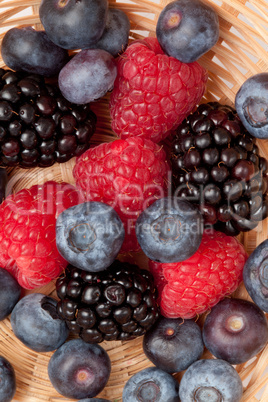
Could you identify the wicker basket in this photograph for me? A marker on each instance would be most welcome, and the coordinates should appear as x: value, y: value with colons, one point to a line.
x: 240, y: 53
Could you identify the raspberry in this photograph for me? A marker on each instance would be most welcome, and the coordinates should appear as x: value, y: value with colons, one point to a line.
x: 190, y: 287
x: 153, y: 92
x: 125, y: 174
x: 27, y: 232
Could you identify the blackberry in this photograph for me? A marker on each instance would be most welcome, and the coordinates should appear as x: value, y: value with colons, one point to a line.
x: 216, y: 165
x: 116, y: 304
x: 38, y: 126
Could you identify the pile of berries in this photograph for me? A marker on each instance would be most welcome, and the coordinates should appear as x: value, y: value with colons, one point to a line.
x: 122, y: 204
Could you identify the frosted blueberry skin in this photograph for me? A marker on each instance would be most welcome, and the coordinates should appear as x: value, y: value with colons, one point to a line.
x: 169, y: 230
x: 151, y: 384
x: 88, y: 76
x: 255, y: 275
x: 25, y: 49
x: 173, y: 344
x: 10, y: 292
x: 187, y: 29
x: 7, y: 380
x: 251, y: 103
x: 115, y: 36
x: 37, y: 325
x: 94, y: 400
x: 79, y: 370
x: 73, y: 24
x: 211, y: 379
x: 235, y: 330
x: 89, y: 235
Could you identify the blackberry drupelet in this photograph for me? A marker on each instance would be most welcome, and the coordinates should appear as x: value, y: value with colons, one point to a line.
x: 38, y: 126
x: 116, y: 304
x: 216, y: 165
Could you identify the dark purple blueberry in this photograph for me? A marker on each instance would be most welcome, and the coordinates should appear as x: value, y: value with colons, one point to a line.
x: 10, y: 292
x: 29, y: 50
x: 169, y: 230
x: 8, y: 383
x: 79, y: 370
x: 116, y: 32
x: 173, y: 344
x: 255, y: 275
x: 72, y: 24
x: 36, y: 323
x: 194, y: 22
x: 211, y: 380
x: 151, y: 384
x: 235, y: 330
x: 251, y: 103
x: 89, y: 235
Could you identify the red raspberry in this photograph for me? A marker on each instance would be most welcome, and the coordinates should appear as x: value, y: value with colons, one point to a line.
x: 191, y: 287
x: 153, y: 93
x: 126, y: 174
x: 27, y: 232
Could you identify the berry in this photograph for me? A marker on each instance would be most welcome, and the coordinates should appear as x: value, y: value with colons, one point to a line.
x: 87, y: 76
x: 10, y: 292
x: 211, y: 379
x: 29, y: 50
x: 27, y: 237
x: 37, y: 325
x: 38, y: 126
x: 187, y: 29
x: 169, y: 230
x: 74, y: 24
x: 150, y: 384
x: 190, y: 287
x: 7, y: 380
x: 173, y: 344
x: 116, y: 33
x: 153, y: 92
x: 226, y: 167
x: 79, y: 370
x: 116, y: 304
x: 235, y: 330
x: 125, y: 174
x: 255, y: 275
x: 89, y: 235
x: 251, y: 103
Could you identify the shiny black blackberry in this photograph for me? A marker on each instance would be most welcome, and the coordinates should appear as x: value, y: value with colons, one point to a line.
x: 38, y: 126
x: 116, y: 304
x: 216, y: 164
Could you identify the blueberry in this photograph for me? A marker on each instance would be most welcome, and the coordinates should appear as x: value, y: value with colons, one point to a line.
x: 211, y: 380
x: 94, y: 400
x: 255, y: 275
x: 251, y: 104
x: 89, y: 235
x: 29, y: 50
x: 10, y: 292
x: 7, y: 380
x: 96, y: 68
x: 151, y: 384
x: 79, y: 369
x: 169, y: 230
x: 235, y: 330
x: 187, y: 29
x: 74, y: 24
x: 173, y: 344
x: 36, y: 324
x: 115, y: 36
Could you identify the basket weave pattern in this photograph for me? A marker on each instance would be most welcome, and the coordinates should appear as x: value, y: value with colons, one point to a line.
x: 241, y: 52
